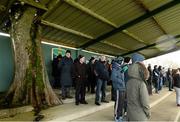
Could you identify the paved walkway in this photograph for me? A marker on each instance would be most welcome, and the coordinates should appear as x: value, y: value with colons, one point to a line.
x: 163, y: 108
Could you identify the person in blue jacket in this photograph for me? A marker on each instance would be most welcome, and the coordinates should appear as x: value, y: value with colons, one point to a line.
x: 117, y: 77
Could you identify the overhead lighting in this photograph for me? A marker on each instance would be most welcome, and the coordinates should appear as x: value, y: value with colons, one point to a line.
x: 58, y: 45
x: 98, y: 53
x: 4, y: 34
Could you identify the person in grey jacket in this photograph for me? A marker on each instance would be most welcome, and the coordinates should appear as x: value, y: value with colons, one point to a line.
x: 117, y: 77
x: 138, y: 108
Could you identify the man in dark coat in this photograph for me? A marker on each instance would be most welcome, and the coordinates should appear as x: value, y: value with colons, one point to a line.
x: 102, y: 74
x: 80, y: 75
x: 170, y: 79
x: 56, y: 71
x: 149, y: 81
x: 91, y: 75
x: 156, y: 76
x: 66, y: 66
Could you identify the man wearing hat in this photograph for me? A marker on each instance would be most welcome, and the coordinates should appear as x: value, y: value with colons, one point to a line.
x: 66, y: 67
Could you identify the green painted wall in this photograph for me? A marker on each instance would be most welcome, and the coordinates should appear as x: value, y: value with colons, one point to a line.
x: 7, y: 61
x: 47, y: 50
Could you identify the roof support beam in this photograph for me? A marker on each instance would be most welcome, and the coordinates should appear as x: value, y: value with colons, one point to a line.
x: 131, y: 23
x: 35, y: 4
x: 65, y: 29
x: 114, y: 45
x: 99, y: 17
x: 134, y: 36
x: 143, y: 6
x: 119, y: 47
x: 53, y: 5
x: 149, y: 46
x: 90, y: 12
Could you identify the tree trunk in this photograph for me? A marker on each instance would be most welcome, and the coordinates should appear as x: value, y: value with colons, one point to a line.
x: 30, y: 84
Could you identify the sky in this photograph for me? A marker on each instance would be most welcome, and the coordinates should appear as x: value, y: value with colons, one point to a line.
x: 170, y: 60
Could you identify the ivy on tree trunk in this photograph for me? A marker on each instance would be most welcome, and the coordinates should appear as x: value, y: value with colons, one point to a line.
x: 30, y: 84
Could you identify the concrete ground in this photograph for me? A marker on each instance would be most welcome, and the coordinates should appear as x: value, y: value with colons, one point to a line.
x: 163, y: 108
x: 156, y: 101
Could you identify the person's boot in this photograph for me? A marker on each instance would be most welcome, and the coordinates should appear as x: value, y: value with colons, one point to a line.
x: 70, y: 97
x: 97, y: 103
x: 63, y: 97
x: 104, y: 101
x: 77, y: 103
x: 84, y: 102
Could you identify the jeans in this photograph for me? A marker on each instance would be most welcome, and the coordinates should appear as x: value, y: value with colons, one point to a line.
x: 177, y: 95
x: 100, y: 90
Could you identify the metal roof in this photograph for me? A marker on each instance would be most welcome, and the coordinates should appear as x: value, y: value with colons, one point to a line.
x: 115, y: 27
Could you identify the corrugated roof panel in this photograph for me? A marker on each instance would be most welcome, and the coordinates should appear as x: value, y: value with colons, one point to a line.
x: 147, y: 30
x: 150, y: 52
x: 106, y: 48
x: 170, y: 20
x: 63, y: 37
x: 116, y: 11
x: 125, y: 41
x: 75, y: 19
x: 153, y: 4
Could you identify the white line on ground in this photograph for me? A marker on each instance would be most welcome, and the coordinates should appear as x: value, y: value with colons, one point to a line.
x: 159, y: 100
x: 177, y: 117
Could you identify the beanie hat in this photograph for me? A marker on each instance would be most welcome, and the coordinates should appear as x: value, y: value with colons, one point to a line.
x: 80, y: 56
x: 68, y: 51
x: 136, y: 57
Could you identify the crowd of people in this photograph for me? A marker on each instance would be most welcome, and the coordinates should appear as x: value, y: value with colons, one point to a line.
x: 131, y: 82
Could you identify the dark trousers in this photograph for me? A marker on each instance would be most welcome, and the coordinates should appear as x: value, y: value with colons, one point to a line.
x: 119, y: 104
x: 80, y: 92
x: 93, y: 85
x: 170, y: 85
x: 56, y: 82
x: 113, y: 93
x: 156, y: 85
x: 100, y: 90
x: 65, y: 91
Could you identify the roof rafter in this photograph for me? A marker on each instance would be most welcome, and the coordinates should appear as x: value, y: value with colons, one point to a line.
x: 143, y: 6
x: 65, y: 29
x: 51, y: 8
x: 90, y: 12
x: 151, y: 45
x: 131, y: 23
x: 35, y: 4
x: 114, y: 45
x: 101, y: 18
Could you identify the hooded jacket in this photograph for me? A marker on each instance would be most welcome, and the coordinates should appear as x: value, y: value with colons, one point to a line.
x: 138, y: 108
x: 117, y: 77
